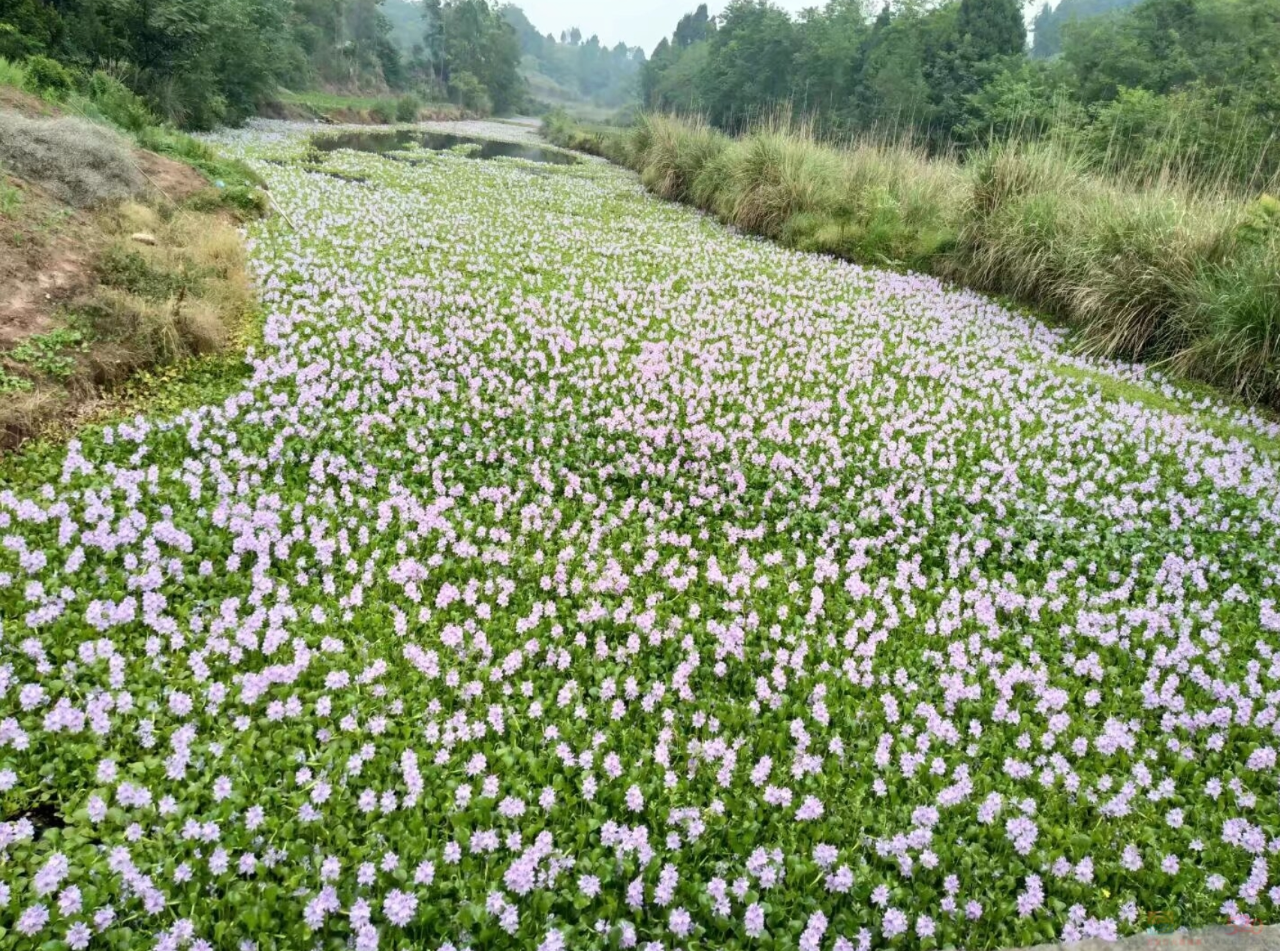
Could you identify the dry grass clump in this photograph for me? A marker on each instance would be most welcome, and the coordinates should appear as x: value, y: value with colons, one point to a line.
x: 774, y: 174
x: 77, y: 162
x: 154, y: 305
x: 22, y: 415
x: 162, y: 303
x: 674, y: 151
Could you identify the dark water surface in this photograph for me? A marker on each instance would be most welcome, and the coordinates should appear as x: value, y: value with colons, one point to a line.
x: 383, y: 142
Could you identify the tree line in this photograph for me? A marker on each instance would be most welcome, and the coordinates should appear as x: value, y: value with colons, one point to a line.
x: 201, y: 63
x: 1190, y: 87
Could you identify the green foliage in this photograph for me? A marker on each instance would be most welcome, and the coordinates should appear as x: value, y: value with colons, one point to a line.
x: 1262, y: 222
x: 407, y: 107
x: 244, y: 202
x: 131, y: 271
x: 383, y: 111
x: 29, y: 28
x: 470, y: 93
x: 12, y: 73
x: 118, y: 104
x: 1049, y: 22
x: 10, y: 198
x: 51, y: 353
x: 197, y: 64
x: 1185, y: 89
x: 47, y: 77
x: 607, y: 142
x: 481, y: 57
x: 13, y: 384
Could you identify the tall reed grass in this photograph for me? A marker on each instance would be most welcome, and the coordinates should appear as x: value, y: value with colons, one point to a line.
x: 1161, y: 272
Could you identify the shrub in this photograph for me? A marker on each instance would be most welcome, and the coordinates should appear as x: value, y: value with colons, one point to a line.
x: 407, y: 107
x: 118, y: 104
x: 244, y: 201
x: 12, y: 73
x: 78, y: 162
x: 470, y: 93
x: 674, y: 152
x: 773, y: 174
x: 383, y: 111
x: 47, y: 77
x: 1234, y: 326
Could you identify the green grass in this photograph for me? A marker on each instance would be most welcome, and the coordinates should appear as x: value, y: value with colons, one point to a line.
x: 325, y: 101
x: 10, y: 198
x: 12, y: 74
x: 179, y: 145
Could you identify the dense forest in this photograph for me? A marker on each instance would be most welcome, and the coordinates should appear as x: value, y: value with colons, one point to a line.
x: 200, y: 63
x: 1191, y: 86
x: 1046, y: 26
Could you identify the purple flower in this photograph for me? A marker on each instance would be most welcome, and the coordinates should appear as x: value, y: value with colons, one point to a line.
x: 399, y: 907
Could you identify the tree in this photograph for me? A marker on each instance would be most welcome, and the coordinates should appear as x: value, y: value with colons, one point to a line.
x: 481, y: 44
x: 433, y: 38
x: 749, y: 63
x: 991, y: 29
x: 693, y: 28
x: 1049, y: 22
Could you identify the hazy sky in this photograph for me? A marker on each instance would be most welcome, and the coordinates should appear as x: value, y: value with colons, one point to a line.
x: 635, y: 22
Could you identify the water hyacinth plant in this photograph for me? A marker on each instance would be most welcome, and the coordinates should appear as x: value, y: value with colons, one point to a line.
x: 571, y: 572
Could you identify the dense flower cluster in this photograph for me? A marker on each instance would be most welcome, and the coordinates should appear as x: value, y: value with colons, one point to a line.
x: 572, y: 573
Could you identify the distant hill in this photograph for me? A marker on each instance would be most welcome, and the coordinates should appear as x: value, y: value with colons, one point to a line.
x: 1048, y: 23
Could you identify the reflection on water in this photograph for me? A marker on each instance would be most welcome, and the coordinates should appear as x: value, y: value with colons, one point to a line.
x: 384, y: 142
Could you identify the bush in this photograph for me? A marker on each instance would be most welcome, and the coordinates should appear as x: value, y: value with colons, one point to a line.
x: 244, y: 201
x: 47, y: 77
x: 78, y: 162
x: 1234, y: 326
x: 773, y: 175
x: 118, y: 104
x: 12, y: 73
x: 383, y: 111
x: 407, y: 107
x: 673, y: 152
x: 470, y: 93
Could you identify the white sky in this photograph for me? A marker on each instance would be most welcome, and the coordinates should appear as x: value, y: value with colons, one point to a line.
x: 639, y: 22
x: 635, y: 22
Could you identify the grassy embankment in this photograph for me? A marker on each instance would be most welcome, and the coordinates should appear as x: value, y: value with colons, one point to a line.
x: 121, y: 268
x: 1184, y: 279
x: 363, y: 109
